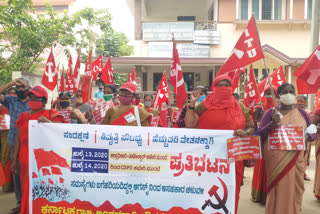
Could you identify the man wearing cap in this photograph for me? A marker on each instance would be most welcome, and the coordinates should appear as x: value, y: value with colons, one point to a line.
x: 126, y: 113
x: 38, y: 98
x: 15, y: 105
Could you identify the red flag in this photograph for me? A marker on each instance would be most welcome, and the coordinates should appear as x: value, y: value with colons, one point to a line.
x: 246, y: 51
x: 235, y: 77
x: 55, y: 170
x: 45, y: 171
x: 49, y: 158
x: 176, y: 77
x: 162, y: 94
x: 69, y: 80
x: 50, y: 76
x: 34, y: 175
x: 42, y: 182
x: 129, y: 77
x: 133, y: 75
x: 76, y: 73
x: 86, y: 82
x: 61, y: 86
x: 107, y: 73
x: 61, y: 180
x: 97, y: 67
x: 308, y: 74
x: 251, y: 93
x: 50, y: 181
x: 277, y: 78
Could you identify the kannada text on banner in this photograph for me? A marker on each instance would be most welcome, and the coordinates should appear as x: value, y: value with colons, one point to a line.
x: 102, y: 169
x: 286, y: 138
x: 244, y: 148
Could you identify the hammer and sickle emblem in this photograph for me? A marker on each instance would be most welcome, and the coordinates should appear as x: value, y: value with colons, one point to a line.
x: 221, y: 202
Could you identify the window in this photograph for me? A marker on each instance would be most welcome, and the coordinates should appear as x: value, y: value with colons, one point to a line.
x: 262, y: 9
x: 255, y: 9
x: 266, y: 9
x: 188, y: 80
x: 277, y: 9
x: 256, y: 73
x: 244, y: 9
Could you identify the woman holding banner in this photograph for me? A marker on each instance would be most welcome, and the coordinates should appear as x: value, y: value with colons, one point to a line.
x: 259, y: 186
x: 126, y: 113
x: 316, y: 189
x: 220, y: 110
x: 285, y: 168
x: 38, y: 99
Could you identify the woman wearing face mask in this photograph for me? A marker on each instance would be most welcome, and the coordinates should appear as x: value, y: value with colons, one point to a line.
x: 285, y: 169
x: 109, y: 93
x: 148, y: 100
x: 259, y: 186
x: 83, y: 107
x: 38, y: 99
x: 126, y: 113
x: 65, y: 104
x: 203, y: 94
x: 220, y: 110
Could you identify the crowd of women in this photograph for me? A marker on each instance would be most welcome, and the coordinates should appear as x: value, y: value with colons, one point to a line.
x: 278, y: 179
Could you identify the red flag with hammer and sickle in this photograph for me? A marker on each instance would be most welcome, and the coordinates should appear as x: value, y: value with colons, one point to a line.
x: 162, y: 94
x: 246, y: 51
x: 251, y: 93
x: 176, y: 77
x: 69, y: 81
x: 50, y: 76
x: 308, y: 74
x: 97, y: 67
x: 107, y: 73
x: 86, y: 82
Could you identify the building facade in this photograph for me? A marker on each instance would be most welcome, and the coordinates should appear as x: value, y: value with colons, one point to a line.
x: 206, y: 32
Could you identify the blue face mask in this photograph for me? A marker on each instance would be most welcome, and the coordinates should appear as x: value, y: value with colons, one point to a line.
x: 201, y: 98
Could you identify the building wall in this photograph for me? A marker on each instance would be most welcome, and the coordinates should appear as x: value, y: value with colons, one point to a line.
x: 227, y: 11
x: 298, y: 9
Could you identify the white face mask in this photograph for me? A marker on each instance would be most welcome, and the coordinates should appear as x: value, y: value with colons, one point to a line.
x: 288, y: 99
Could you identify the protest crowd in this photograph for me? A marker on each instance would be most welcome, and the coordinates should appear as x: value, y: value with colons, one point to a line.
x: 278, y: 179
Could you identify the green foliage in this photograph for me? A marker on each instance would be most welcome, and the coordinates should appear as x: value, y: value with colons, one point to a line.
x: 120, y: 78
x: 24, y: 35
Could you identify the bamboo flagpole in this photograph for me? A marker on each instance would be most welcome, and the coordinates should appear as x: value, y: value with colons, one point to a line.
x: 265, y: 67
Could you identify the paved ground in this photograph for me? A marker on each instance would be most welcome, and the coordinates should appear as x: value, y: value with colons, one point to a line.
x: 310, y: 205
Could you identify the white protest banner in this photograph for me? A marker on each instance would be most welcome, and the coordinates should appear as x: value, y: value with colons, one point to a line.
x: 4, y: 121
x: 120, y: 169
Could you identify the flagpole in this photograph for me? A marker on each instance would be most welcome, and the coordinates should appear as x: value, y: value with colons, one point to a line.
x: 265, y: 67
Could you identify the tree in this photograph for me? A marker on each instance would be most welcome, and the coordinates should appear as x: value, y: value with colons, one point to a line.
x: 24, y: 34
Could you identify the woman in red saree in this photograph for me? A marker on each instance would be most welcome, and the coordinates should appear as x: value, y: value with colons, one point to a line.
x: 220, y: 110
x: 259, y: 187
x: 316, y: 188
x: 38, y: 99
x: 285, y: 168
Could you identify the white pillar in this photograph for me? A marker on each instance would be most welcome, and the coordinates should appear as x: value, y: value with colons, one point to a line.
x: 237, y: 9
x: 250, y: 9
x: 305, y: 9
x: 289, y: 74
x: 291, y: 9
x: 260, y: 9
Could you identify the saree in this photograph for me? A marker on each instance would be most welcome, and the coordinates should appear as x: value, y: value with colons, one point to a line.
x: 125, y: 116
x: 285, y: 173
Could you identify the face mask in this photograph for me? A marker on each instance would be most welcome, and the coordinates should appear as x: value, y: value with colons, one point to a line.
x: 20, y: 94
x: 147, y: 103
x: 201, y: 98
x: 302, y: 105
x: 108, y: 97
x: 125, y: 100
x: 287, y: 99
x: 35, y: 105
x: 65, y: 103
